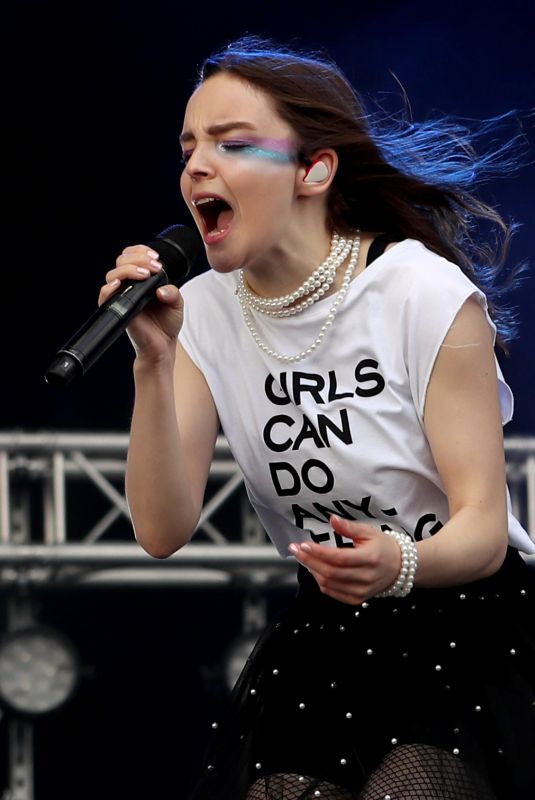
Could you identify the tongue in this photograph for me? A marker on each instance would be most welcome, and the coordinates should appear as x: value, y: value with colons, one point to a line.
x: 224, y: 218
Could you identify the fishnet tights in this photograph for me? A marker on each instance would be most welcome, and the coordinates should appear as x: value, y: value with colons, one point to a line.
x: 295, y: 787
x: 410, y: 772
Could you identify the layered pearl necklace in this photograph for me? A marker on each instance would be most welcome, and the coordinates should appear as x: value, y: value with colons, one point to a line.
x: 312, y: 290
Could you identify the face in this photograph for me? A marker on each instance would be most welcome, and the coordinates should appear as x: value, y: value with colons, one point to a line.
x: 239, y: 177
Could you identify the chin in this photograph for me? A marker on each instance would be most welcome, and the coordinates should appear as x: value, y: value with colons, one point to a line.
x: 222, y: 263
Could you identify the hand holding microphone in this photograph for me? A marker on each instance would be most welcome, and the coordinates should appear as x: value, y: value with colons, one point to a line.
x: 177, y: 248
x: 156, y: 329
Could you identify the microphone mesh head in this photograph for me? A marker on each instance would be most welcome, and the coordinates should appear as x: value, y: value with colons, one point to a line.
x: 178, y: 247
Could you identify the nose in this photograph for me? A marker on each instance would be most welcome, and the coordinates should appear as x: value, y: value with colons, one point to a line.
x: 199, y: 164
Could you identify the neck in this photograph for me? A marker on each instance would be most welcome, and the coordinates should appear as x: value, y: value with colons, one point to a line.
x: 288, y: 305
x: 289, y: 263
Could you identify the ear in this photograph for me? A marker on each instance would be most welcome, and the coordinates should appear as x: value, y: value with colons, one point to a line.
x: 317, y: 172
x: 316, y: 177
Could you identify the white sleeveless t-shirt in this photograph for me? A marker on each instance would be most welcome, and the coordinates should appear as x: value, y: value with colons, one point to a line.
x: 342, y: 430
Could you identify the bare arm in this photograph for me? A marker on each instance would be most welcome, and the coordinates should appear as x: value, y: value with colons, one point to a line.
x: 463, y: 425
x: 174, y: 428
x: 174, y: 424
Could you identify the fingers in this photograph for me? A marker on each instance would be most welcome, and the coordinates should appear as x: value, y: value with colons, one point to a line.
x: 348, y: 586
x: 135, y: 263
x: 319, y: 556
x: 170, y: 295
x: 141, y: 256
x: 352, y: 574
x: 331, y: 562
x: 351, y: 529
x: 353, y: 598
x: 350, y: 582
x: 341, y: 563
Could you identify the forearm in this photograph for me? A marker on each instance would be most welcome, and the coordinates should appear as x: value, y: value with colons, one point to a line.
x: 471, y: 546
x: 159, y: 494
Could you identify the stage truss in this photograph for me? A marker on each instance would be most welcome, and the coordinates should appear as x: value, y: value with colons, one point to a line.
x: 64, y: 518
x: 64, y: 523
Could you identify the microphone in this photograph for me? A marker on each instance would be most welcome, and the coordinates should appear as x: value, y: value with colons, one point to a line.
x: 178, y: 248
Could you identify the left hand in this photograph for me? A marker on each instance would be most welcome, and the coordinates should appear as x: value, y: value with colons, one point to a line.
x: 352, y: 575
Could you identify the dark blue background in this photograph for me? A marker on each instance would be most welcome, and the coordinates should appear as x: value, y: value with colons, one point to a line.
x: 94, y: 108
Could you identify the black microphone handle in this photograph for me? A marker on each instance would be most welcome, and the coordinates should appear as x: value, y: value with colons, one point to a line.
x: 177, y: 247
x: 102, y: 329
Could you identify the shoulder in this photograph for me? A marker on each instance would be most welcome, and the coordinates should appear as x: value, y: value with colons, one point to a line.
x: 412, y: 275
x: 413, y: 260
x: 422, y: 292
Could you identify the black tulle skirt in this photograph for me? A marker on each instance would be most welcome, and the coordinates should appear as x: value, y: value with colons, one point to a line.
x: 429, y: 697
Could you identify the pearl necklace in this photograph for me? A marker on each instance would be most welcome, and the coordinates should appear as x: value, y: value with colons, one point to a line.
x: 311, y: 289
x: 243, y: 297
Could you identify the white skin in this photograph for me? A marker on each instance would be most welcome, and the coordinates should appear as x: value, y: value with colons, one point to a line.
x: 277, y: 231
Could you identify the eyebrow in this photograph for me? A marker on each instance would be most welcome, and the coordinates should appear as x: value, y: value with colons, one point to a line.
x: 214, y: 130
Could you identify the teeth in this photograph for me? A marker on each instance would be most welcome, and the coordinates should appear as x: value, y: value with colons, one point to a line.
x: 203, y: 200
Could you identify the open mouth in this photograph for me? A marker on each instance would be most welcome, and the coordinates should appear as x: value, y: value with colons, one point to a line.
x: 215, y: 212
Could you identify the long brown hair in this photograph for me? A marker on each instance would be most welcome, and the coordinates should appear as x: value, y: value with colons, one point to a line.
x: 404, y: 179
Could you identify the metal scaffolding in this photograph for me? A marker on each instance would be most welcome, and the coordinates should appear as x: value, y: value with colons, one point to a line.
x: 64, y: 522
x: 64, y: 519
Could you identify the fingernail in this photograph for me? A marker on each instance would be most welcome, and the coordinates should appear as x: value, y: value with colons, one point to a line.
x: 156, y: 264
x: 163, y: 291
x: 152, y: 254
x: 306, y: 547
x: 115, y: 282
x: 143, y: 271
x: 293, y: 548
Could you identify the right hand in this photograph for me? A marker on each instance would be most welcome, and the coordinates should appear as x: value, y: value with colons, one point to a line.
x: 153, y: 332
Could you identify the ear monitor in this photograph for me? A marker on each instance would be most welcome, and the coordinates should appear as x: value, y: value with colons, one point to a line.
x: 317, y: 173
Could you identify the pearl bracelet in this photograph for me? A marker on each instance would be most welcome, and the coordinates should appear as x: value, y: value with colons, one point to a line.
x: 409, y: 562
